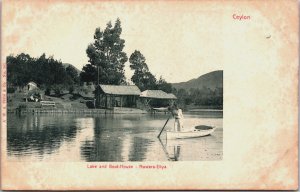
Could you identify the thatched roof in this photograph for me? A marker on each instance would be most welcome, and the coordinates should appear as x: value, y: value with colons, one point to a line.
x: 172, y: 96
x: 157, y: 94
x: 31, y: 83
x: 120, y: 89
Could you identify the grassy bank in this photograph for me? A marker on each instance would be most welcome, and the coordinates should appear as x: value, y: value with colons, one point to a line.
x: 65, y: 101
x: 64, y: 104
x: 73, y: 103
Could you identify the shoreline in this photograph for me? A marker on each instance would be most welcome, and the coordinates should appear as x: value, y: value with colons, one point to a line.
x: 76, y: 111
x: 199, y: 110
x: 116, y: 110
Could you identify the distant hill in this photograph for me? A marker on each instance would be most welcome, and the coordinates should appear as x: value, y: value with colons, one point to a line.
x: 68, y: 64
x: 210, y: 80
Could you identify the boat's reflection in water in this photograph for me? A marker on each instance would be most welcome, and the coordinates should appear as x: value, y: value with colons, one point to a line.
x: 201, y: 148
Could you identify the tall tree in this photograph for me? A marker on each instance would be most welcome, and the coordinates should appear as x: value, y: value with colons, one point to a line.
x: 72, y: 72
x: 163, y: 85
x: 142, y: 77
x: 88, y: 73
x: 106, y: 54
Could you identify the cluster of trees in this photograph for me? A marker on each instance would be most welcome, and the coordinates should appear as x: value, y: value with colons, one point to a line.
x: 107, y: 60
x: 200, y: 97
x: 106, y: 66
x: 47, y: 72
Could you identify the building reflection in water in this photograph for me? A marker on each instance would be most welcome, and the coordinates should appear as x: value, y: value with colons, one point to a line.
x: 114, y: 141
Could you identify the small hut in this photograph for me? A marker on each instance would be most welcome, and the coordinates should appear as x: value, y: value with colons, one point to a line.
x: 31, y: 86
x: 109, y: 96
x: 32, y: 92
x: 156, y: 99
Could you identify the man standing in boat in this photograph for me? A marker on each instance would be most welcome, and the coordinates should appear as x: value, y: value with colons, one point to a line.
x: 177, y: 114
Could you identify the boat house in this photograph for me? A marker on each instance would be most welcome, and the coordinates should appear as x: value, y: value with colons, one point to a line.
x: 109, y: 96
x: 156, y: 99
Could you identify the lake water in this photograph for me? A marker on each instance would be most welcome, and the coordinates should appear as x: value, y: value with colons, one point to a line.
x: 74, y: 138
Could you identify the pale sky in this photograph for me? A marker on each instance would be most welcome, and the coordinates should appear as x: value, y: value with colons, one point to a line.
x: 180, y: 41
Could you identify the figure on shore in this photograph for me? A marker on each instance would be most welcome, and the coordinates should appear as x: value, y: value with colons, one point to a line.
x: 177, y: 114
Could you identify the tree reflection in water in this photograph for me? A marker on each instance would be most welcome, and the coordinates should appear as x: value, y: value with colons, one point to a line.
x: 109, y: 138
x: 32, y: 134
x: 102, y: 147
x: 139, y: 148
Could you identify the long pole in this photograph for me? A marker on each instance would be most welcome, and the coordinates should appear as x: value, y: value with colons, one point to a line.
x: 163, y: 127
x: 164, y: 149
x: 98, y: 74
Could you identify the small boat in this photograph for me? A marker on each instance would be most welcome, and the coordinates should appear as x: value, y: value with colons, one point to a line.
x: 190, y: 134
x: 160, y: 109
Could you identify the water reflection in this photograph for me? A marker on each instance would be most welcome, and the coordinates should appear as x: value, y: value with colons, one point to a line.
x: 102, y: 147
x: 202, y: 148
x: 37, y: 134
x: 170, y: 156
x: 108, y: 138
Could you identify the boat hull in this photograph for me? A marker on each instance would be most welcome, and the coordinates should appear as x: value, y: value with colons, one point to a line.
x: 189, y: 134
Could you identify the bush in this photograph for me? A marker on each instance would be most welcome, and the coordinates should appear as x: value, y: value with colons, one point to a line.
x: 11, y: 90
x: 90, y: 104
x: 58, y: 89
x: 22, y: 106
x: 47, y: 92
x: 71, y: 89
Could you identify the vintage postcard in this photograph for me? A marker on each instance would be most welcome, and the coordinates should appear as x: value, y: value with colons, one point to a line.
x: 182, y: 95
